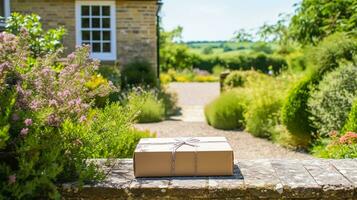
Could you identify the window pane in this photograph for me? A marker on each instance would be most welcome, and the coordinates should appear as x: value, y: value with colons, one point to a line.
x: 95, y: 10
x: 106, y: 47
x: 96, y: 35
x: 85, y: 22
x: 2, y: 8
x: 85, y: 10
x: 95, y: 22
x: 106, y: 35
x: 96, y: 47
x: 85, y: 43
x: 106, y: 22
x: 86, y: 35
x: 105, y: 10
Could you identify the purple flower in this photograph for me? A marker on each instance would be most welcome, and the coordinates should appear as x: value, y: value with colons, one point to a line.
x: 24, y: 132
x: 12, y: 179
x: 28, y: 122
x: 15, y: 117
x: 83, y: 118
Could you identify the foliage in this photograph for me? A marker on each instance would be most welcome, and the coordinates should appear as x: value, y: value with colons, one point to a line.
x: 351, y: 123
x: 49, y: 125
x: 154, y: 105
x: 138, y: 73
x: 243, y: 36
x: 187, y: 76
x: 328, y: 55
x: 234, y: 79
x: 260, y: 62
x: 112, y: 74
x: 226, y: 112
x: 332, y: 100
x: 28, y: 26
x: 337, y: 147
x: 317, y: 19
x: 295, y: 113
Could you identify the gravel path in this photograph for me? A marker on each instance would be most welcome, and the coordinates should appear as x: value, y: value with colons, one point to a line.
x: 192, y: 98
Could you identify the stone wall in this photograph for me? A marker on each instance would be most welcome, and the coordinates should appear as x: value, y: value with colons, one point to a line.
x: 135, y: 23
x: 253, y: 179
x: 54, y: 13
x: 136, y: 31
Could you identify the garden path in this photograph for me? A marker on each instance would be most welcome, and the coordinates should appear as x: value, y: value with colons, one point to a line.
x: 192, y: 97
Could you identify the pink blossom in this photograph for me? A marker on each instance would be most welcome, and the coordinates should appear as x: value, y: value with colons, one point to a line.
x: 83, y: 118
x: 24, y: 132
x: 34, y: 105
x: 28, y: 122
x: 349, y: 138
x: 12, y: 179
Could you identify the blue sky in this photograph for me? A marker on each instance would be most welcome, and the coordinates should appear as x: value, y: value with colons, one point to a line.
x: 219, y: 19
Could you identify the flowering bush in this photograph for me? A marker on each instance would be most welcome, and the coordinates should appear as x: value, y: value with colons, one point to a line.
x: 337, y: 147
x: 49, y: 124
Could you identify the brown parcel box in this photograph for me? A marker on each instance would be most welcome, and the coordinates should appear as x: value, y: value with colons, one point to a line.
x: 199, y: 156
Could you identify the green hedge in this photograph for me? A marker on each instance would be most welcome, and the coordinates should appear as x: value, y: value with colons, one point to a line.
x: 261, y: 62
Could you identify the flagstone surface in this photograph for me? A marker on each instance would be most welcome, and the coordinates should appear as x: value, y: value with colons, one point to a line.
x: 252, y: 179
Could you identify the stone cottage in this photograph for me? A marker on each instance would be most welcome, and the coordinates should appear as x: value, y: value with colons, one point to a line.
x: 117, y: 30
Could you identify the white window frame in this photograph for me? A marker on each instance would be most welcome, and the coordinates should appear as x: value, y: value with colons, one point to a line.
x: 6, y: 11
x: 112, y: 56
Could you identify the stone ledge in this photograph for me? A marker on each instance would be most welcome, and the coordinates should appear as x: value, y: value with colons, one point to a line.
x: 253, y: 179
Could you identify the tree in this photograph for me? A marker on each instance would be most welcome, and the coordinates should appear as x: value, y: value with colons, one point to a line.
x: 243, y: 36
x: 316, y: 19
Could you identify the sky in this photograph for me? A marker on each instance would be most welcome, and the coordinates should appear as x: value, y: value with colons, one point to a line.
x: 219, y: 19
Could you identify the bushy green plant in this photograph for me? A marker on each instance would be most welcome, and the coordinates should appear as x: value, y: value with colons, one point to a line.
x: 47, y: 128
x: 295, y: 112
x: 150, y: 107
x: 332, y: 100
x: 29, y: 27
x: 351, y: 123
x: 139, y: 73
x: 234, y: 79
x: 227, y: 111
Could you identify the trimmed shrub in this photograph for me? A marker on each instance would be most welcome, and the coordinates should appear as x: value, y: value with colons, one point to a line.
x: 332, y: 100
x: 227, y: 111
x: 351, y: 124
x: 139, y: 73
x: 295, y: 113
x: 327, y: 55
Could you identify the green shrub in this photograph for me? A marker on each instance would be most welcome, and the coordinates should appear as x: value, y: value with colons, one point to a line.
x: 327, y: 55
x: 150, y: 107
x: 226, y: 112
x: 332, y: 100
x: 281, y: 135
x: 234, y: 79
x: 263, y: 113
x: 295, y: 113
x: 39, y: 41
x: 169, y: 99
x: 139, y: 73
x: 351, y: 124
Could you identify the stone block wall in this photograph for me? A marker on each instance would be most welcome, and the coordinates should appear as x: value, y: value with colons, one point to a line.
x: 54, y: 13
x: 135, y: 24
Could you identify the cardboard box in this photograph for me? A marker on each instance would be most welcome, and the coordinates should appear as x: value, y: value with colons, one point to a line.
x: 199, y: 156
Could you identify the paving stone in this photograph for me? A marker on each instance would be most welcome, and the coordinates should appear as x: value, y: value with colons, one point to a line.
x: 333, y: 183
x: 260, y: 178
x: 296, y: 180
x: 252, y: 179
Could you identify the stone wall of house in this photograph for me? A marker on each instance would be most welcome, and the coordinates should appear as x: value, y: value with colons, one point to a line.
x: 135, y: 24
x: 54, y: 13
x: 136, y: 31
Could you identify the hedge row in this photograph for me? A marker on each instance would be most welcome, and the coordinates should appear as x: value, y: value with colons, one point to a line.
x: 260, y: 62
